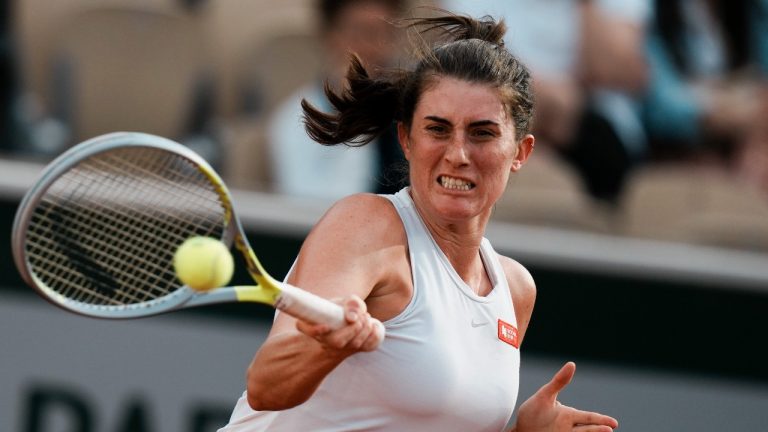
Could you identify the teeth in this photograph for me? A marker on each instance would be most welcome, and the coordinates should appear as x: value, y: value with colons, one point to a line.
x: 454, y: 183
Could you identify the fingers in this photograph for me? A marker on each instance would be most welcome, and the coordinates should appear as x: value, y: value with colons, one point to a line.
x: 361, y: 332
x: 561, y: 379
x: 365, y: 325
x: 361, y: 326
x: 543, y: 411
x: 586, y: 421
x: 353, y: 307
x: 592, y: 428
x: 585, y: 418
x: 312, y: 330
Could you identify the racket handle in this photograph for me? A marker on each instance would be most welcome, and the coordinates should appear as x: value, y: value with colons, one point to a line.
x: 312, y: 308
x: 309, y: 307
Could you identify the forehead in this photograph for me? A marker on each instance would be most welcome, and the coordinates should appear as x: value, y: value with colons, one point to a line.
x: 456, y: 100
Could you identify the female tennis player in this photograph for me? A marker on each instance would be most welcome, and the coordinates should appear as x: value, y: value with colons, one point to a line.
x: 454, y: 310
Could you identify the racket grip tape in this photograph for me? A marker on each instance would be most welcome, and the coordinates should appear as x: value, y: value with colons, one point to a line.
x: 312, y: 308
x: 309, y: 307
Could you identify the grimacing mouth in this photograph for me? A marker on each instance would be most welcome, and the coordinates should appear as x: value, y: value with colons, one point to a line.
x: 455, y: 183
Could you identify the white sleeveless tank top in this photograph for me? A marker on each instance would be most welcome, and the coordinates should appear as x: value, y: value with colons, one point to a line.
x: 448, y: 362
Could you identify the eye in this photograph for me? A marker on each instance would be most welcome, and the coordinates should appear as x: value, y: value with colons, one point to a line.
x: 437, y: 129
x: 483, y: 133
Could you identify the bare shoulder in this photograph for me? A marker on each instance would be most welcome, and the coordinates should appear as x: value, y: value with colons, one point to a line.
x: 522, y: 288
x: 518, y: 276
x: 358, y: 247
x: 361, y: 219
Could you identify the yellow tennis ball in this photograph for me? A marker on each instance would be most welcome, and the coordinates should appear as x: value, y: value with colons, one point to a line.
x: 203, y: 263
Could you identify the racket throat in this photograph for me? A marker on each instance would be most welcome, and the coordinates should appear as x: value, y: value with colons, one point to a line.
x: 256, y: 294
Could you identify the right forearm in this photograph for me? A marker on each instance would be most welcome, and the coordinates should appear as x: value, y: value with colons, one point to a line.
x: 287, y: 370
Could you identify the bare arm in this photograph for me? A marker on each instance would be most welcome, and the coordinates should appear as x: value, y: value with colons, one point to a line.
x: 612, y: 53
x: 542, y: 412
x: 523, y: 291
x: 559, y: 104
x: 340, y: 259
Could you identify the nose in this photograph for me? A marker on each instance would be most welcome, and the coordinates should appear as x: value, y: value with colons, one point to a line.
x: 457, y: 152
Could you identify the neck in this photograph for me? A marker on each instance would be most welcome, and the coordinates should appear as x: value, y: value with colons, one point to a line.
x: 460, y: 242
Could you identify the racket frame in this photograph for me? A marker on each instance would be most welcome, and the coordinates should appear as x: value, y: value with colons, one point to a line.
x: 268, y: 290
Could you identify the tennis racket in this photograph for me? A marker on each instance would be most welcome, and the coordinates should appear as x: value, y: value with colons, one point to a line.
x: 97, y: 233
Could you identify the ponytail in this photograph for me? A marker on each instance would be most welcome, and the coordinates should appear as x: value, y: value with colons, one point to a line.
x: 362, y: 111
x: 469, y: 49
x: 459, y: 27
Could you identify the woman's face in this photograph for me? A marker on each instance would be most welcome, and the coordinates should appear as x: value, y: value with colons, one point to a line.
x: 461, y: 149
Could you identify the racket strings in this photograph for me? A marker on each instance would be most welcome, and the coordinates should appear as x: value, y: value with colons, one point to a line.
x: 164, y: 212
x: 89, y: 245
x: 106, y: 231
x: 141, y: 230
x: 75, y: 262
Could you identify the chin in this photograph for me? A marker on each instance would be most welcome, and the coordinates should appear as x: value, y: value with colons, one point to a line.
x: 457, y: 210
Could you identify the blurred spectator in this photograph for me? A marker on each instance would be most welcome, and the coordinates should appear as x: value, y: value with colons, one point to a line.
x: 7, y: 78
x: 193, y: 6
x: 588, y: 66
x: 708, y: 99
x: 123, y: 67
x: 11, y: 131
x: 304, y: 168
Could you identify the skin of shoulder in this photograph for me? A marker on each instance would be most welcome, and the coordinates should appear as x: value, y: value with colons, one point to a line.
x: 358, y: 247
x: 523, y: 290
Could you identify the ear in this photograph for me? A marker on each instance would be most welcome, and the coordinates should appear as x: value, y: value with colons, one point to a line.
x: 402, y: 137
x: 524, y: 150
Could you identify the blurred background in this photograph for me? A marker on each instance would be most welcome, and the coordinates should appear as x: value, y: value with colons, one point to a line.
x: 642, y: 214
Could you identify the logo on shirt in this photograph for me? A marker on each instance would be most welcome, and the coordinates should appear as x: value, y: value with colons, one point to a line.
x: 508, y: 334
x: 478, y: 323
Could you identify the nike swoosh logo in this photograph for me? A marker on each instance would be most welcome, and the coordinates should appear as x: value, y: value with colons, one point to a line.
x: 478, y: 323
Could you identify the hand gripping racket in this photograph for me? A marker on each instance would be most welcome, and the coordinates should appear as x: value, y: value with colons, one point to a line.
x: 97, y: 233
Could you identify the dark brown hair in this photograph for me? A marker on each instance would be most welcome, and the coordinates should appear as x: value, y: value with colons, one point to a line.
x: 469, y: 49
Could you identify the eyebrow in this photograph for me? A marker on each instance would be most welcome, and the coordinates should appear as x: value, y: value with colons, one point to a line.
x: 472, y: 124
